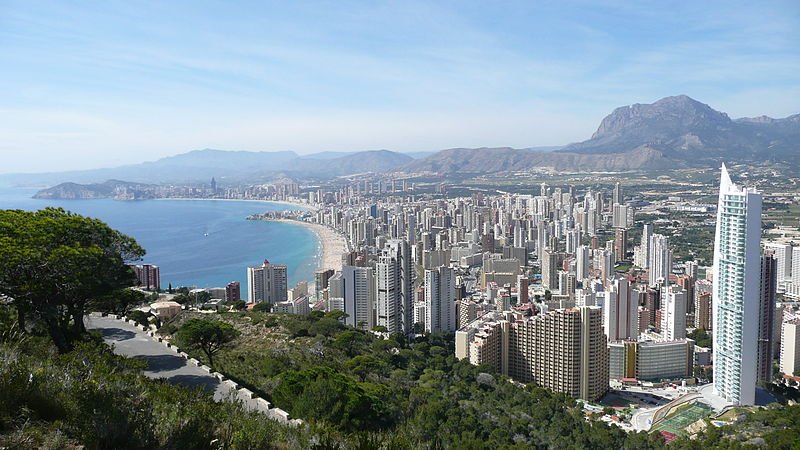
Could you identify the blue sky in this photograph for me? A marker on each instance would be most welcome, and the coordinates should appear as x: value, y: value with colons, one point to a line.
x: 96, y: 84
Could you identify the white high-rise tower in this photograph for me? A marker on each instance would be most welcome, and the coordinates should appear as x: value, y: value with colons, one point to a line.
x: 673, y: 313
x: 620, y: 312
x: 267, y: 283
x: 440, y: 296
x: 393, y: 275
x: 737, y: 273
x: 660, y: 260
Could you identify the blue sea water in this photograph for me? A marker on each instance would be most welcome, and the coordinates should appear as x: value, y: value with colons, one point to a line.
x: 203, y: 243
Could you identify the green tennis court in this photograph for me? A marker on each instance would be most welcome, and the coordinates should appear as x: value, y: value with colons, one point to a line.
x: 676, y: 422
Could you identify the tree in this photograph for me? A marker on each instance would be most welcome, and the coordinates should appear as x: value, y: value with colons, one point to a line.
x: 239, y: 305
x: 202, y: 297
x: 326, y: 326
x: 209, y: 336
x: 701, y: 338
x: 262, y: 307
x: 351, y: 341
x: 139, y: 317
x: 182, y: 298
x: 336, y: 314
x: 118, y: 302
x: 364, y: 365
x: 53, y: 262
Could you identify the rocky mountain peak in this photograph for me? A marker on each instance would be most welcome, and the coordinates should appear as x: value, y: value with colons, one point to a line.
x: 666, y: 116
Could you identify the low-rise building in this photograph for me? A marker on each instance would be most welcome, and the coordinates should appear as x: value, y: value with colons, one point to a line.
x: 165, y: 310
x: 651, y: 360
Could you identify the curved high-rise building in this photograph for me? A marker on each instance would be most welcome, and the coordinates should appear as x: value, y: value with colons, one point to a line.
x: 737, y: 281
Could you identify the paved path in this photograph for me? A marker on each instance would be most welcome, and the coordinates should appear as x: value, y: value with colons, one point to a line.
x: 163, y: 362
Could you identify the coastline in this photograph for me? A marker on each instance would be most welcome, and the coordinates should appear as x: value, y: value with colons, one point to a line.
x: 332, y: 244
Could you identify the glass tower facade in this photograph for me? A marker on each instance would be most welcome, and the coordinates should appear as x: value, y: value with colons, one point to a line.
x: 737, y: 273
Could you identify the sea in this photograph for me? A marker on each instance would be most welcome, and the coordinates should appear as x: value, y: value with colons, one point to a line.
x: 200, y: 243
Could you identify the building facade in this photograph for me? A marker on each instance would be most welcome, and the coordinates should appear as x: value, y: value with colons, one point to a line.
x: 790, y: 347
x: 651, y: 360
x: 564, y: 350
x: 267, y: 283
x: 394, y: 281
x: 440, y: 300
x: 737, y: 270
x: 148, y: 276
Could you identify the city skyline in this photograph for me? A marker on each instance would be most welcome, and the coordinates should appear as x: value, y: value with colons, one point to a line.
x: 123, y: 83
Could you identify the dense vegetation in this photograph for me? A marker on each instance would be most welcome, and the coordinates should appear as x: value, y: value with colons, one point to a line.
x: 91, y: 397
x: 407, y: 395
x: 355, y: 389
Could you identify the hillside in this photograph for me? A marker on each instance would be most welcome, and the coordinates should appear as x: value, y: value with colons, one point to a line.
x: 350, y: 163
x: 119, y: 190
x: 406, y: 395
x: 93, y: 399
x: 491, y: 160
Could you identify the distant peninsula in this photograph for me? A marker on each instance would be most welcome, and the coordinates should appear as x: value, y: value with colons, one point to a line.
x: 114, y: 189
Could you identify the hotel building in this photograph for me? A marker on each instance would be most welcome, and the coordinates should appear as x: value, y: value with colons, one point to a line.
x: 564, y: 350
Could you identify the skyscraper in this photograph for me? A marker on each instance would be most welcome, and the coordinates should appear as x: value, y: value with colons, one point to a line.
x: 549, y: 265
x: 673, y: 313
x: 621, y: 312
x: 394, y: 271
x: 783, y: 255
x: 440, y: 296
x: 522, y: 289
x: 619, y: 217
x: 356, y: 287
x: 620, y: 244
x: 267, y: 283
x: 321, y: 278
x: 660, y: 259
x: 737, y: 270
x: 617, y: 196
x: 644, y: 247
x: 766, y: 316
x: 790, y: 347
x: 582, y: 263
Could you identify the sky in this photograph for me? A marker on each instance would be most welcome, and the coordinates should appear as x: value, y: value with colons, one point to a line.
x: 100, y: 84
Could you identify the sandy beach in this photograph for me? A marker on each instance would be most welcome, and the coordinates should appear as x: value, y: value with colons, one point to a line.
x: 333, y: 244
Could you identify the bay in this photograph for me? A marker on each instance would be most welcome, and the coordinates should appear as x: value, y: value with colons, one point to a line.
x: 202, y: 243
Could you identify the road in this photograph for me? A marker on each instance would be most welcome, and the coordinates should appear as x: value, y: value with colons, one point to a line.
x: 163, y: 362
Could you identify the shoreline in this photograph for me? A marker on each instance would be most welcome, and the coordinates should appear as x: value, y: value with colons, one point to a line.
x: 332, y: 244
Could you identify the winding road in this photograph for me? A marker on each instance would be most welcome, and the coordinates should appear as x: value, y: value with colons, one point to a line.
x: 165, y: 362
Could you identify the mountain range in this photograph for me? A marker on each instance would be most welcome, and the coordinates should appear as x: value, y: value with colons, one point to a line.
x: 673, y: 132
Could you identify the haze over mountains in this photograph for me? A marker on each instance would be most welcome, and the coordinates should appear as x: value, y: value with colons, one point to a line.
x: 670, y: 133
